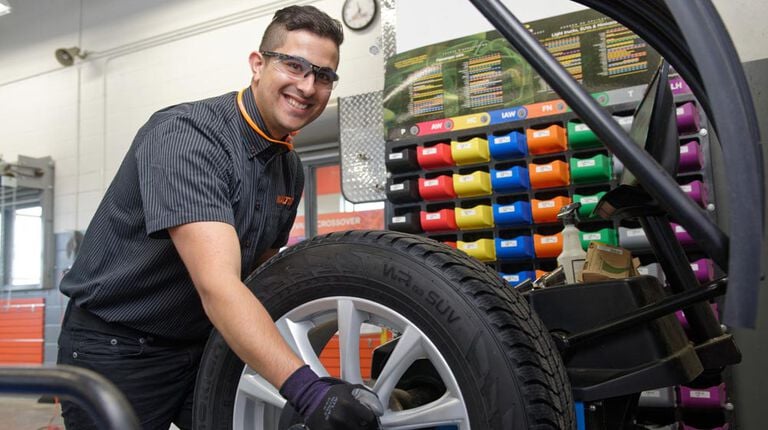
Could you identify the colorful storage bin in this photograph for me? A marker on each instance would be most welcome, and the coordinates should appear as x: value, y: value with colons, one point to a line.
x: 510, y: 180
x: 441, y: 220
x: 519, y: 248
x: 580, y: 136
x: 691, y: 156
x: 482, y: 249
x: 474, y: 184
x: 471, y: 151
x: 590, y: 170
x: 682, y: 235
x: 546, y: 141
x: 513, y: 279
x: 625, y: 121
x: 687, y: 118
x: 697, y: 191
x: 402, y: 161
x: 406, y: 191
x: 658, y: 398
x: 480, y: 216
x: 435, y: 157
x: 633, y: 239
x: 606, y: 235
x: 588, y: 204
x: 517, y: 213
x: 548, y: 246
x: 546, y: 210
x: 508, y: 146
x: 703, y: 398
x: 549, y: 175
x: 653, y: 269
x: 704, y: 269
x: 408, y: 223
x: 439, y: 188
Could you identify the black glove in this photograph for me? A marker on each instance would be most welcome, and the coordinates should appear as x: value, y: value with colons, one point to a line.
x: 346, y: 407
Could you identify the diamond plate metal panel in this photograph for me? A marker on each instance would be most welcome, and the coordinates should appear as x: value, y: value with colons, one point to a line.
x: 361, y: 138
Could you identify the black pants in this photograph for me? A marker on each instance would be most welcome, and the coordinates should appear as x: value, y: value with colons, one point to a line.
x: 156, y: 375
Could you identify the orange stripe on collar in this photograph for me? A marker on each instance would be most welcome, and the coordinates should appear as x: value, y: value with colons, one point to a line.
x: 255, y: 126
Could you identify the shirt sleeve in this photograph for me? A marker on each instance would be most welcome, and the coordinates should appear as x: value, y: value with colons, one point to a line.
x: 298, y: 190
x: 184, y: 175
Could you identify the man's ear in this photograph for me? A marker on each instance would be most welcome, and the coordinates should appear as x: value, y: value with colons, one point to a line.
x: 256, y: 60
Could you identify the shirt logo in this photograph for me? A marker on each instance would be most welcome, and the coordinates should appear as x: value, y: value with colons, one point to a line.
x: 284, y: 200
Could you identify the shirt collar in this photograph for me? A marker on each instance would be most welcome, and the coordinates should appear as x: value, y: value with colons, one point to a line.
x: 257, y: 145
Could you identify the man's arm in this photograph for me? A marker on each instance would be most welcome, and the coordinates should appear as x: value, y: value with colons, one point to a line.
x: 211, y: 253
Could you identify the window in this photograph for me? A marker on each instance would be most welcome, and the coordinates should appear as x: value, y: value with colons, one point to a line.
x: 26, y: 245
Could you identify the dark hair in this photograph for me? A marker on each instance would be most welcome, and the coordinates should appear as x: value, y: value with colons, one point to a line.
x: 307, y: 18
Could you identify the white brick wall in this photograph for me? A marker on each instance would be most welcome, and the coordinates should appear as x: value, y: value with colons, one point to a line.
x: 145, y: 55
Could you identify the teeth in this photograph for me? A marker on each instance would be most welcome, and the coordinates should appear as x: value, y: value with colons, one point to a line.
x: 296, y: 104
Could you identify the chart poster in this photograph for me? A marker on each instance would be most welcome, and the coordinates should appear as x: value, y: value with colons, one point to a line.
x: 481, y: 79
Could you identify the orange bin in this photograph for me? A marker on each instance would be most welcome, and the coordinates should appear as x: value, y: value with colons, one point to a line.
x: 548, y: 246
x: 546, y: 210
x: 549, y: 175
x: 549, y: 140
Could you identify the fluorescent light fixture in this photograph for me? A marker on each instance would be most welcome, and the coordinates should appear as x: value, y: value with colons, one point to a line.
x: 5, y: 7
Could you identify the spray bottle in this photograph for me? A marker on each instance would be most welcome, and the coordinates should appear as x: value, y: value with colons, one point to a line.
x: 572, y: 257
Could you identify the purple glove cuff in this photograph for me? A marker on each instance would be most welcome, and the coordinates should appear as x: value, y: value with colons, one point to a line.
x: 304, y: 390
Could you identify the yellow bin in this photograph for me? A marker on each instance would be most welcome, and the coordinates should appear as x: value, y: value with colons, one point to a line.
x: 482, y: 249
x: 474, y: 150
x: 480, y: 216
x: 474, y: 184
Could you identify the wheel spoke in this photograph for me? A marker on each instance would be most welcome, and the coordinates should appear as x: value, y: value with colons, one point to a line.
x: 296, y: 334
x: 350, y: 320
x: 443, y: 411
x: 409, y: 348
x: 256, y: 387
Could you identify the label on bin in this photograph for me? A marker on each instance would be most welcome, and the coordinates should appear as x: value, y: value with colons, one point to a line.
x: 547, y: 204
x: 653, y: 393
x: 695, y: 266
x: 464, y: 145
x: 592, y: 236
x: 625, y: 120
x: 396, y: 156
x: 429, y: 151
x: 680, y: 110
x: 585, y: 163
x: 545, y: 168
x: 502, y: 139
x: 467, y: 178
x: 581, y: 127
x: 468, y: 212
x: 431, y: 183
x: 506, y: 209
x: 589, y: 200
x: 396, y: 187
x: 635, y: 232
x: 397, y: 219
x: 683, y: 149
x: 434, y: 216
x: 686, y: 188
x: 470, y: 246
x: 511, y: 278
x: 700, y: 394
x: 504, y: 174
x: 508, y: 243
x: 541, y: 133
x: 643, y: 271
x: 679, y: 229
x: 549, y: 239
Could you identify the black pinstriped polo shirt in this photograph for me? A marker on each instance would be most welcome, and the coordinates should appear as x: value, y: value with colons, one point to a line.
x: 191, y: 162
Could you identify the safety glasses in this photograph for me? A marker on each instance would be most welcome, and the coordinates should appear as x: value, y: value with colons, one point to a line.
x: 299, y: 68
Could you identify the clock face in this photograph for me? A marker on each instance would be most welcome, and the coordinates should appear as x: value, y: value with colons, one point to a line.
x: 358, y: 14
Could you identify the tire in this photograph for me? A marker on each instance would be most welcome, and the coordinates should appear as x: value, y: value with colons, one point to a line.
x: 496, y: 360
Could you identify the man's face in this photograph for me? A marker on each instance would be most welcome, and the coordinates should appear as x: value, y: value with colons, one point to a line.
x: 285, y: 103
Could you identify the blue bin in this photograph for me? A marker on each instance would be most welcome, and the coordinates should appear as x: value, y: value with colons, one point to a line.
x: 515, y: 278
x: 508, y: 146
x: 519, y: 248
x: 517, y: 213
x: 510, y: 180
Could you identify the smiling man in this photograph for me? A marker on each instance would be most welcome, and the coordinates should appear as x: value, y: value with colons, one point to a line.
x: 207, y: 191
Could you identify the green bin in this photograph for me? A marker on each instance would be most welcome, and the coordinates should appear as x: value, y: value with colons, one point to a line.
x: 590, y: 170
x: 588, y: 204
x: 606, y: 235
x: 580, y: 136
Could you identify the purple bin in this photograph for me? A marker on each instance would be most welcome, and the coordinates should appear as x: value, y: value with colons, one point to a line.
x: 682, y: 236
x: 696, y: 191
x: 703, y: 398
x: 704, y: 269
x: 684, y: 322
x: 691, y: 157
x: 687, y: 427
x: 687, y: 118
